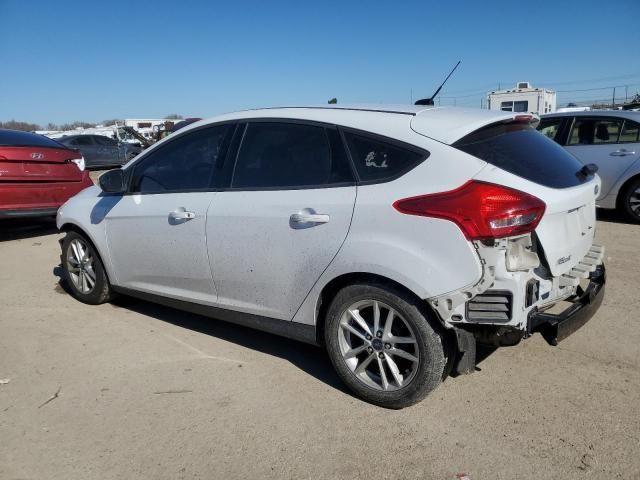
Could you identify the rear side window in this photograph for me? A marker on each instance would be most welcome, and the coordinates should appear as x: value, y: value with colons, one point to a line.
x: 82, y: 141
x: 376, y: 160
x: 630, y: 131
x: 594, y: 131
x: 290, y: 155
x: 521, y: 150
x: 15, y: 138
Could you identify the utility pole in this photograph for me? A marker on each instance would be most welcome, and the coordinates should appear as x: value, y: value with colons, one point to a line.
x: 625, y: 93
x: 613, y: 103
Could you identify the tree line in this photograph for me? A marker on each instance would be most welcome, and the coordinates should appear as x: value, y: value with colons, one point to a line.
x: 30, y: 127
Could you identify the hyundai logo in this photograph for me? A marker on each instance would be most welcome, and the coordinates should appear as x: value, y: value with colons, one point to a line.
x: 37, y: 156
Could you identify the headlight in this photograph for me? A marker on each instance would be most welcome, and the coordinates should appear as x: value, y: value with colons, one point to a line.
x: 79, y: 163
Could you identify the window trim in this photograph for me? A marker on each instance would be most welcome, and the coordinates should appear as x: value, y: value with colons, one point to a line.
x: 425, y: 154
x: 244, y: 124
x: 129, y: 171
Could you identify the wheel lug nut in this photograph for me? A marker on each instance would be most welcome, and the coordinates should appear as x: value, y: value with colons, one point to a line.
x: 368, y: 337
x: 369, y: 350
x: 380, y: 355
x: 387, y: 346
x: 379, y: 334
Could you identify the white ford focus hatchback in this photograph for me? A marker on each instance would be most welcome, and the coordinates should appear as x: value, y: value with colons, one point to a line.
x: 399, y: 238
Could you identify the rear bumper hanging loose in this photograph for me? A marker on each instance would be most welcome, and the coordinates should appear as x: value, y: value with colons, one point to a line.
x: 556, y: 327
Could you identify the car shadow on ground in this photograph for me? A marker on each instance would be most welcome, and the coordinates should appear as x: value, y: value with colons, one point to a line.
x: 21, y: 228
x: 613, y: 216
x: 309, y: 358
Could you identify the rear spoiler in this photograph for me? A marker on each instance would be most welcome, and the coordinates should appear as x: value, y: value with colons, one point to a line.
x: 448, y: 125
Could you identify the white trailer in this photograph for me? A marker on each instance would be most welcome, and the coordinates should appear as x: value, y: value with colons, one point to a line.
x: 523, y: 98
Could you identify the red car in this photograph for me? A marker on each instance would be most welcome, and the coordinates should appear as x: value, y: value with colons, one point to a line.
x: 37, y: 174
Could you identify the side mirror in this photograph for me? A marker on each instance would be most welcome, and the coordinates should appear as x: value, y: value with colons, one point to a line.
x: 113, y: 181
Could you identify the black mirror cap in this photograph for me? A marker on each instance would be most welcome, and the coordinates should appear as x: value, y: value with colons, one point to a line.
x: 113, y: 181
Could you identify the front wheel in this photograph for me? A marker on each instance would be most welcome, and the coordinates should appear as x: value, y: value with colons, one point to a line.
x: 83, y: 270
x: 382, y: 345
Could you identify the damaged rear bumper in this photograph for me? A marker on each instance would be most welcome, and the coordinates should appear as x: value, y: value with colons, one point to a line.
x: 556, y: 327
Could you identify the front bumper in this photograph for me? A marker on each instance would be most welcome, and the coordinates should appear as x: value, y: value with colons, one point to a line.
x: 556, y: 327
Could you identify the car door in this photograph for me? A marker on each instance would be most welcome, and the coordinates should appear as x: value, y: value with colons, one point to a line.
x: 156, y: 232
x: 284, y: 219
x: 596, y: 139
x: 108, y: 151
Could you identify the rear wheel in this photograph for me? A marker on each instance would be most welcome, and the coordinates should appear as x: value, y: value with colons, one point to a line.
x: 382, y: 345
x: 631, y: 200
x: 83, y: 270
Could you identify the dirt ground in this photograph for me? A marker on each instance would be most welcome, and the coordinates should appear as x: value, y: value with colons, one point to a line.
x: 132, y: 390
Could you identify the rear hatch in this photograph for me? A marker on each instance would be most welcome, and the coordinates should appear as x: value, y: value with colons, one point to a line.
x: 519, y: 157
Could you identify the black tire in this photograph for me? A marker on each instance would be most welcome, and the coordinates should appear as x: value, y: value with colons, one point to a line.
x: 630, y: 194
x: 101, y: 291
x: 430, y: 344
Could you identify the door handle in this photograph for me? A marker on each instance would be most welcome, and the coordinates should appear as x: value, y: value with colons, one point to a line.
x: 182, y: 215
x: 621, y: 153
x: 302, y: 218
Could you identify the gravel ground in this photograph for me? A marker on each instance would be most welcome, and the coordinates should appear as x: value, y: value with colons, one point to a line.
x: 134, y: 390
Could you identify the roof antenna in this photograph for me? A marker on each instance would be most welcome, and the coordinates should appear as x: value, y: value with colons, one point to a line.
x: 429, y: 101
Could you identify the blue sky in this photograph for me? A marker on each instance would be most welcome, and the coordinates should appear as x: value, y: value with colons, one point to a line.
x: 81, y: 60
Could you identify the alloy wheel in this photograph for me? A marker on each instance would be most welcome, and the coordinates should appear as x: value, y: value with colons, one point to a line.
x: 80, y: 265
x: 634, y: 202
x: 378, y: 345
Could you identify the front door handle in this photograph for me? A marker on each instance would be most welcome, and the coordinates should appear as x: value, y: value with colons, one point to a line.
x: 621, y: 153
x: 182, y: 215
x: 306, y: 218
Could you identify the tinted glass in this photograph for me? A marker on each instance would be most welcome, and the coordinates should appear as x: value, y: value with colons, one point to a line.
x: 190, y: 162
x: 377, y: 160
x: 590, y: 131
x: 15, y: 138
x: 105, y: 141
x: 521, y: 150
x: 550, y: 127
x: 288, y: 155
x: 629, y: 132
x: 82, y: 141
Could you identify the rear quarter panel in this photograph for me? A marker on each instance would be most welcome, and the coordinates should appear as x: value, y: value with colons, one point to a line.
x: 428, y: 256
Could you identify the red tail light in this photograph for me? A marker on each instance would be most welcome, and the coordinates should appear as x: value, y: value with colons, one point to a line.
x: 481, y: 210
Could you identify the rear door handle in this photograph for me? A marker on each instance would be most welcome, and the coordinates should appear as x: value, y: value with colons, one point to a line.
x: 182, y: 215
x: 621, y: 153
x: 302, y: 218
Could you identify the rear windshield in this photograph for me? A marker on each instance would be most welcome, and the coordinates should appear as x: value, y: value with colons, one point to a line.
x: 15, y: 138
x: 520, y: 149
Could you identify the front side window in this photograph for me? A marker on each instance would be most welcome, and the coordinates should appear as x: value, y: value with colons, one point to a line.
x: 377, y: 160
x: 190, y: 162
x: 594, y: 131
x: 289, y: 155
x: 550, y: 127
